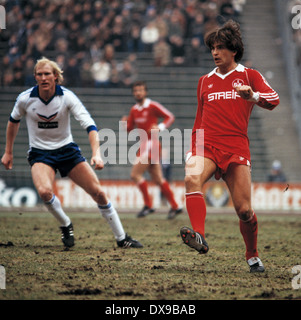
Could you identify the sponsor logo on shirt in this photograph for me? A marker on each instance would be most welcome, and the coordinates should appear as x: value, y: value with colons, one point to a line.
x: 223, y: 95
x: 47, y: 121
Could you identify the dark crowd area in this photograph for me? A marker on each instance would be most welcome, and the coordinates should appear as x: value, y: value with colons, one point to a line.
x: 96, y: 43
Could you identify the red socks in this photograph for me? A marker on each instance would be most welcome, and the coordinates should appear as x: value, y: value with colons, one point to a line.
x: 196, y: 208
x: 146, y: 197
x: 165, y: 188
x: 249, y: 230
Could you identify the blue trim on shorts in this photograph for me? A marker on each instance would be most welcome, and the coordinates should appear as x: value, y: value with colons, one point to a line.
x: 63, y: 159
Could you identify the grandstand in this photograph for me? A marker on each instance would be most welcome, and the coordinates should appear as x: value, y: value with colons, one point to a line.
x: 272, y: 134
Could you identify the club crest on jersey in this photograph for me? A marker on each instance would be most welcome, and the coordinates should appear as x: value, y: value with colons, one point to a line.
x: 237, y: 83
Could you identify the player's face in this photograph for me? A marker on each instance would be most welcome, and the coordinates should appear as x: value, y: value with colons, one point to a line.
x: 139, y: 93
x: 223, y: 58
x: 45, y: 78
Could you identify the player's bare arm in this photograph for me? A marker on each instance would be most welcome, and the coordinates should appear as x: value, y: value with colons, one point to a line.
x: 11, y: 133
x: 96, y: 159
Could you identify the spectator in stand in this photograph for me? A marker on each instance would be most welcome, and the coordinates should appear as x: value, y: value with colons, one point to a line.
x: 101, y: 73
x: 134, y: 43
x: 197, y: 27
x: 72, y: 73
x: 161, y: 53
x: 276, y: 174
x: 194, y: 52
x: 127, y: 75
x: 227, y: 10
x: 177, y: 50
x: 149, y: 36
x: 29, y: 79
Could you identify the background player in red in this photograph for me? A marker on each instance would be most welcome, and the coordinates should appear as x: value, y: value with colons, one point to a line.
x: 226, y: 97
x: 144, y: 115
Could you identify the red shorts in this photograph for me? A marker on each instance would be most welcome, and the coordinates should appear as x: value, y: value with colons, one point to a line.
x: 151, y: 150
x: 223, y: 159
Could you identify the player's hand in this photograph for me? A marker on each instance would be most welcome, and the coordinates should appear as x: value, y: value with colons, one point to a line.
x: 7, y: 161
x: 245, y: 92
x: 97, y: 162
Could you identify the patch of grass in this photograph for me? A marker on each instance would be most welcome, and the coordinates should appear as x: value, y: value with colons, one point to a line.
x: 38, y: 267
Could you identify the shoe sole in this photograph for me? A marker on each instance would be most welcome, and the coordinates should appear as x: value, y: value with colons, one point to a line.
x: 189, y: 238
x: 68, y: 243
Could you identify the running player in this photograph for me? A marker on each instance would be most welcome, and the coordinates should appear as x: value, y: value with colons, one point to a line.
x: 226, y: 97
x: 46, y: 108
x: 144, y: 115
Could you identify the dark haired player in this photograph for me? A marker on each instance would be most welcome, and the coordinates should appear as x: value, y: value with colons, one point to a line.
x: 145, y: 115
x: 226, y: 97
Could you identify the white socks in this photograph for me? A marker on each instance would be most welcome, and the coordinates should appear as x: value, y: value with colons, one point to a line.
x: 107, y: 211
x: 112, y: 217
x: 54, y: 206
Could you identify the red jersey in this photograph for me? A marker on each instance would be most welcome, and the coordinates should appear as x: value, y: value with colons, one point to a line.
x: 146, y: 116
x: 223, y: 114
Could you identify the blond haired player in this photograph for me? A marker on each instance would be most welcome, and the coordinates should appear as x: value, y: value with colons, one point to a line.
x: 47, y: 108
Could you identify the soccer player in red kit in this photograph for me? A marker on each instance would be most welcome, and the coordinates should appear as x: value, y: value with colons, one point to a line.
x: 226, y: 97
x: 144, y: 115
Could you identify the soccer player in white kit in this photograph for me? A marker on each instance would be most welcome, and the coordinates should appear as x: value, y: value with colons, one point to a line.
x: 46, y: 108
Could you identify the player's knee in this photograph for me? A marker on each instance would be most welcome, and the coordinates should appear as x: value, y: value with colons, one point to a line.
x: 191, y: 183
x: 99, y: 196
x: 45, y: 193
x: 244, y: 213
x: 135, y: 178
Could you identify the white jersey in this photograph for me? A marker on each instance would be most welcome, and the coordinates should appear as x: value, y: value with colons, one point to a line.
x: 48, y: 123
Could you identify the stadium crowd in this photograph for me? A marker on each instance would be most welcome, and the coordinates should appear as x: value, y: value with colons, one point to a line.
x: 86, y: 37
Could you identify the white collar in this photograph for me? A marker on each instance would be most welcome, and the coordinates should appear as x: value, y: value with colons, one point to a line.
x: 145, y: 104
x: 239, y: 68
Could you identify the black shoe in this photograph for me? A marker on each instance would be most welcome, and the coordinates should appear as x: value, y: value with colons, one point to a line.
x: 194, y: 240
x: 67, y: 236
x: 145, y: 211
x: 255, y: 265
x: 173, y: 212
x: 128, y: 242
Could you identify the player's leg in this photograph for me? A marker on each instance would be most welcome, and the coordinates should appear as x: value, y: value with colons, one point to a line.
x: 198, y: 170
x: 84, y: 176
x: 238, y: 180
x: 43, y: 178
x: 156, y: 174
x: 138, y: 170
